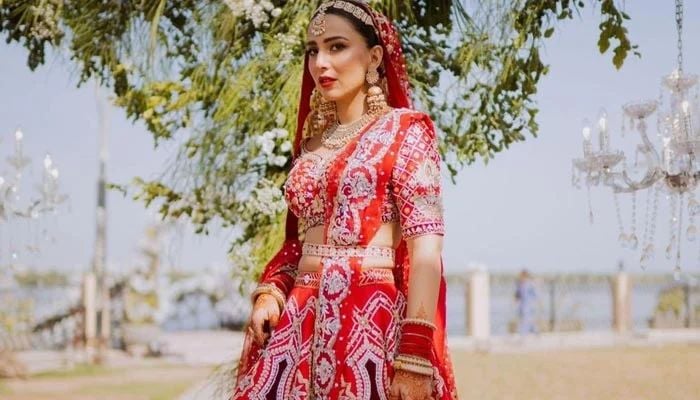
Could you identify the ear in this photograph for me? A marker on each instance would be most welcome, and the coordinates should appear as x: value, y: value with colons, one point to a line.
x: 376, y: 55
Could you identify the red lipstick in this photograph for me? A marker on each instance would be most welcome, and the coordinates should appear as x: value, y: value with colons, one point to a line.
x: 326, y: 82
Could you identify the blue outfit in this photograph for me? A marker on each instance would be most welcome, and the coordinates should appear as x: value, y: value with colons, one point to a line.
x: 526, y: 295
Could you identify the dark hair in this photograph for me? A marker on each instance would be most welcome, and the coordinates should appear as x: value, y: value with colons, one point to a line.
x: 367, y: 31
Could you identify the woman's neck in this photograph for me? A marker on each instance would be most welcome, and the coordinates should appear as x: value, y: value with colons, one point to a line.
x: 351, y: 110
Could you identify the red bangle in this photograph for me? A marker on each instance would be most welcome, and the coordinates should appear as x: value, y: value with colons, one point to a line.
x: 416, y: 340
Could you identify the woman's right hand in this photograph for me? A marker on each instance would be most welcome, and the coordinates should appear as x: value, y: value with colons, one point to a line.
x: 264, y: 318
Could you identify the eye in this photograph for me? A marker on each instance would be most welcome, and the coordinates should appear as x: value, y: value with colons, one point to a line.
x: 337, y: 47
x: 311, y: 52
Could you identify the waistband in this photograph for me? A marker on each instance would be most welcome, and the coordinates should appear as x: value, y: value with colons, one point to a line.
x: 326, y: 250
x: 368, y: 276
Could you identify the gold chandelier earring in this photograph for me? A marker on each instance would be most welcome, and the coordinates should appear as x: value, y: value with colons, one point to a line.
x: 376, y: 100
x: 322, y: 115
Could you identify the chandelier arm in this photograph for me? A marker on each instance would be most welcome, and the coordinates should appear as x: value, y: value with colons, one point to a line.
x: 646, y: 147
x: 620, y: 182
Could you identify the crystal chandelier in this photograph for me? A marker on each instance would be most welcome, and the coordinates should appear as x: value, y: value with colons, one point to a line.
x: 14, y: 207
x: 676, y: 168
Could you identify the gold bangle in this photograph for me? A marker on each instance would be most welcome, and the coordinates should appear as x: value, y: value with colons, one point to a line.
x: 418, y: 369
x: 414, y: 359
x: 419, y: 321
x: 272, y: 290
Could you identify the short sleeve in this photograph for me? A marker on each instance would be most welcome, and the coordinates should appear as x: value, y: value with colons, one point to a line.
x: 416, y: 182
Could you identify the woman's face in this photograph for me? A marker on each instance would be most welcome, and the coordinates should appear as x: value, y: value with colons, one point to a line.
x: 339, y: 59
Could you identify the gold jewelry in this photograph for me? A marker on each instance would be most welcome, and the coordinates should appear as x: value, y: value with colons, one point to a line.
x: 321, y: 116
x: 372, y: 77
x: 376, y: 101
x: 413, y: 364
x: 318, y: 24
x: 414, y: 360
x: 338, y: 135
x: 419, y: 321
x: 272, y: 290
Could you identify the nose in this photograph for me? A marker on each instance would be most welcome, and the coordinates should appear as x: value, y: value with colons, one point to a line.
x: 321, y: 61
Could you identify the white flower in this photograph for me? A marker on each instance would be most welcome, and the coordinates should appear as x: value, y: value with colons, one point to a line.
x: 236, y: 7
x: 258, y: 12
x: 267, y: 199
x: 269, y: 135
x: 287, y: 47
x: 279, y: 119
x: 279, y: 161
x: 267, y: 147
x: 266, y: 142
x: 286, y: 147
x: 45, y: 26
x: 280, y: 133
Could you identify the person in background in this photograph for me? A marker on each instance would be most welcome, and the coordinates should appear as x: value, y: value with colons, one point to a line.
x: 526, y: 296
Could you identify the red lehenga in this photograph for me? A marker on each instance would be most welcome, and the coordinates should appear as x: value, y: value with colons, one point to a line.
x: 338, y: 334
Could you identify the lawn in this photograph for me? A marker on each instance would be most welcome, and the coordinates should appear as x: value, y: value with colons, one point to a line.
x: 668, y: 373
x: 622, y: 373
x: 152, y: 382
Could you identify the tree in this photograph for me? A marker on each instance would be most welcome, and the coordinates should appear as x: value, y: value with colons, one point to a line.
x: 222, y: 79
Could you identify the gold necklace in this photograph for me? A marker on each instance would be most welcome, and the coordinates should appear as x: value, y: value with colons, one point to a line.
x: 337, y: 136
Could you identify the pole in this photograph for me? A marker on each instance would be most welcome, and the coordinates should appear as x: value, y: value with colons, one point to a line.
x: 100, y: 252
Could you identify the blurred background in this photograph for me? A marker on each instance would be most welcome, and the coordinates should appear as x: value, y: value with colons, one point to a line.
x: 558, y: 288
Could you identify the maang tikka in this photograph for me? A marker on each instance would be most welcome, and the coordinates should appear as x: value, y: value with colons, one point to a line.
x: 318, y: 23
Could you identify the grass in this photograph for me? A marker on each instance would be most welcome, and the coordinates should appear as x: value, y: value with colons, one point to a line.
x: 669, y: 373
x: 622, y: 373
x: 80, y: 370
x: 158, y: 391
x: 153, y: 382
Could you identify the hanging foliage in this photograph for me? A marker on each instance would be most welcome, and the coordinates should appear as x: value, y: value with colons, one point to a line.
x: 222, y: 79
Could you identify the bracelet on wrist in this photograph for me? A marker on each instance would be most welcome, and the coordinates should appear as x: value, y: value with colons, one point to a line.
x: 416, y: 339
x: 413, y: 364
x: 419, y: 321
x: 272, y: 290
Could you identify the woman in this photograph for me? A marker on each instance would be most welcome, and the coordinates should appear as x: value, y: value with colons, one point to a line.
x: 526, y: 296
x: 339, y: 316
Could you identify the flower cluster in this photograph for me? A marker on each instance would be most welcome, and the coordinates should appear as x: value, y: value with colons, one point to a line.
x: 258, y: 12
x: 267, y: 199
x: 268, y: 142
x: 242, y: 257
x: 45, y: 26
x: 287, y: 50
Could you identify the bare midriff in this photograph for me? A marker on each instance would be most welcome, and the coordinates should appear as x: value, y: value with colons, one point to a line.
x: 388, y: 235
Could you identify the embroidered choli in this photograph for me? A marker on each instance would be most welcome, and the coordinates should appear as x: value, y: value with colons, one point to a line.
x: 412, y: 196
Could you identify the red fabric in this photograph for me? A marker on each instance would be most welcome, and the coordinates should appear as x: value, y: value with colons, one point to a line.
x: 270, y: 377
x: 337, y: 297
x: 281, y: 270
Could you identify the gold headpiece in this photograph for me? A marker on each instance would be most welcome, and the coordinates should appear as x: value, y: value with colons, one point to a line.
x: 318, y: 24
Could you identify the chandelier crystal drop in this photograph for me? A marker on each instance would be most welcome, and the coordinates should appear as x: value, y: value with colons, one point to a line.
x: 16, y: 205
x: 674, y: 167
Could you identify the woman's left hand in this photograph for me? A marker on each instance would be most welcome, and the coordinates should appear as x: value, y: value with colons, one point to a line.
x: 410, y: 386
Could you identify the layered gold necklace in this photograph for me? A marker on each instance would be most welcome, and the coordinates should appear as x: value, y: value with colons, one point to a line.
x: 337, y: 135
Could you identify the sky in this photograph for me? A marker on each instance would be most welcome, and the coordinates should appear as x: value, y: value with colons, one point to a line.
x: 519, y: 211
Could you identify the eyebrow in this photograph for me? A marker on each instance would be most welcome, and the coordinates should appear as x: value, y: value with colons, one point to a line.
x: 326, y: 40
